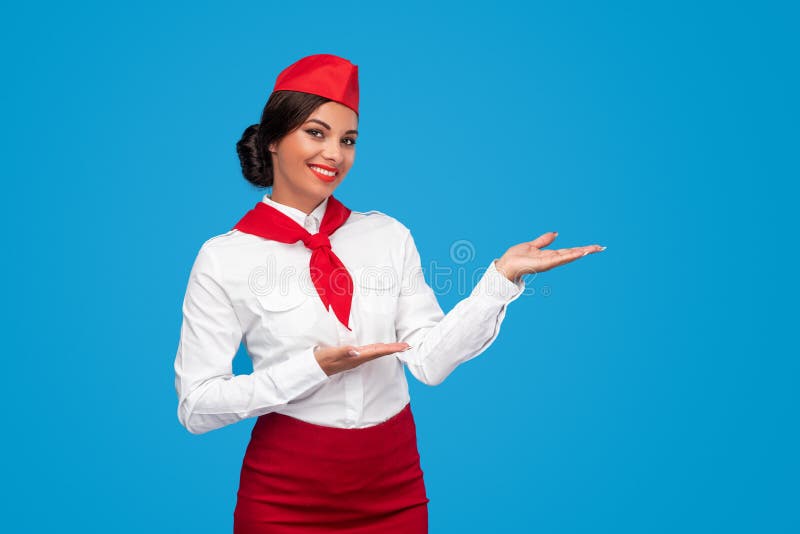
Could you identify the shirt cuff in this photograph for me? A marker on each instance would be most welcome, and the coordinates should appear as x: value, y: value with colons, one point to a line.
x: 298, y: 374
x: 495, y: 286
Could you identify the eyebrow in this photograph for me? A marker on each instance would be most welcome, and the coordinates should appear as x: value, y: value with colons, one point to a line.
x: 328, y: 127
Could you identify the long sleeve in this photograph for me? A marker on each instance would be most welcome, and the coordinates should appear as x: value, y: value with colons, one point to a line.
x: 442, y: 342
x: 210, y: 396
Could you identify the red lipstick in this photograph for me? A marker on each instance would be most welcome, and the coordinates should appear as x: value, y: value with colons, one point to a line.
x: 321, y: 176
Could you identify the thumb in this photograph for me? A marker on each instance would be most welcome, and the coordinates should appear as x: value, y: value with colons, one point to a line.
x: 544, y: 239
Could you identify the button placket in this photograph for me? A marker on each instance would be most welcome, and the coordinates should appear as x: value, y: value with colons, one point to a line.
x: 310, y: 225
x: 354, y: 395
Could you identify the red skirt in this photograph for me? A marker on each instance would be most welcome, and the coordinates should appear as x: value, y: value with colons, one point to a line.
x: 298, y: 477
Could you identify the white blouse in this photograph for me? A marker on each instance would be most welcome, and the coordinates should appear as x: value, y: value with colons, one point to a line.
x: 243, y: 287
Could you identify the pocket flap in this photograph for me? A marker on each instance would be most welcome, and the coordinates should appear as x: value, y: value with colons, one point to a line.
x: 283, y: 299
x: 378, y: 277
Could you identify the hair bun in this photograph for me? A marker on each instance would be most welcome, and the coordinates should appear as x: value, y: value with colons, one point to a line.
x: 251, y: 158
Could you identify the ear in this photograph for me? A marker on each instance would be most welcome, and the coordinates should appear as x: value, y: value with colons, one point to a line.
x: 271, y: 148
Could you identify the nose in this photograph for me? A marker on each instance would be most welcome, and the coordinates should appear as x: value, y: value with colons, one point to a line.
x: 333, y: 152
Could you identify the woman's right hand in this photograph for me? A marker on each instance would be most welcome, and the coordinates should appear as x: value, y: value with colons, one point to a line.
x: 337, y: 359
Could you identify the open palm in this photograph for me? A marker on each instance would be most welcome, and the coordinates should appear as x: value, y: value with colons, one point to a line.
x: 530, y: 257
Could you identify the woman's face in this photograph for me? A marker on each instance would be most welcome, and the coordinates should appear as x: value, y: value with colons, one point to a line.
x: 312, y: 160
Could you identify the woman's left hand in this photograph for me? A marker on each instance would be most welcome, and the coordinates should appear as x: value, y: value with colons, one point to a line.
x: 529, y: 257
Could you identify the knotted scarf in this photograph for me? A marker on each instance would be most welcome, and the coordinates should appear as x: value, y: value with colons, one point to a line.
x: 333, y: 283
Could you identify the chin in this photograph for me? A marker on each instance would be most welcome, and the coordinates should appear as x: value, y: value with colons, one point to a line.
x: 329, y: 185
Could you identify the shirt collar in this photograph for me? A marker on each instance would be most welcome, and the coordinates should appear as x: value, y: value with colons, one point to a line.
x: 297, y: 215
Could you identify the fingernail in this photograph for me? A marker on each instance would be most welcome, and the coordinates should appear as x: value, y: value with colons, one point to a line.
x: 405, y: 349
x: 602, y: 248
x: 353, y: 353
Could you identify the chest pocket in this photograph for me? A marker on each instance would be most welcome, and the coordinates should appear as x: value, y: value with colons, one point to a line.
x: 376, y: 289
x: 289, y: 311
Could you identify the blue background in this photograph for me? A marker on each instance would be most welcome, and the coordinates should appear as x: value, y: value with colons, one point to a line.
x: 648, y: 388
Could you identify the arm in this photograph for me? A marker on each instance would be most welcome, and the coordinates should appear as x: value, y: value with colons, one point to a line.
x: 442, y: 342
x: 209, y: 395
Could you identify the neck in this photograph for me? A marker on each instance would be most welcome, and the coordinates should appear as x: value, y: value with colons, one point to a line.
x: 306, y: 205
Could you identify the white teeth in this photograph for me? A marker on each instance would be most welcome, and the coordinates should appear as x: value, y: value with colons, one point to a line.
x: 322, y: 171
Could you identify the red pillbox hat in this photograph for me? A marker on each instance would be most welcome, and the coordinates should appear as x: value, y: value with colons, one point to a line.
x: 324, y: 75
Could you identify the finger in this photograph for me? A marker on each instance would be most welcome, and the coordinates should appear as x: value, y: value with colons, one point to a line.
x: 390, y: 348
x: 381, y: 346
x: 569, y: 255
x: 543, y: 240
x: 580, y: 251
x: 365, y: 348
x: 558, y: 257
x: 591, y: 249
x: 376, y: 350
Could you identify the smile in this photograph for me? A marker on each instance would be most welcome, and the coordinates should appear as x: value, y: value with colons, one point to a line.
x: 323, y: 174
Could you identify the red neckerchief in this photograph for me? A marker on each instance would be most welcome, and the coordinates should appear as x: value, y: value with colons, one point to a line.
x: 334, y: 284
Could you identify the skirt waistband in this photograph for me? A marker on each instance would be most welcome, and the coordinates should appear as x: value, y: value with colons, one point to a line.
x: 333, y: 442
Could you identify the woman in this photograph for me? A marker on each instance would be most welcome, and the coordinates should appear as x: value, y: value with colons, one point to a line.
x: 330, y: 304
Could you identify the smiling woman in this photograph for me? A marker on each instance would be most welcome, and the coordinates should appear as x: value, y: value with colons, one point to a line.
x: 334, y: 446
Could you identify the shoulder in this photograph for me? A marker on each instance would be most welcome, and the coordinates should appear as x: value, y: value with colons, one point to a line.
x: 378, y: 219
x: 230, y: 239
x: 221, y: 249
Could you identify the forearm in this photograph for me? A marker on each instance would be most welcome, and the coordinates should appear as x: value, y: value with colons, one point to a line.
x: 209, y: 403
x: 464, y: 333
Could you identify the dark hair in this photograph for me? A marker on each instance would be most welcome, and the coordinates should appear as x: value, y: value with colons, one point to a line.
x: 283, y: 112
